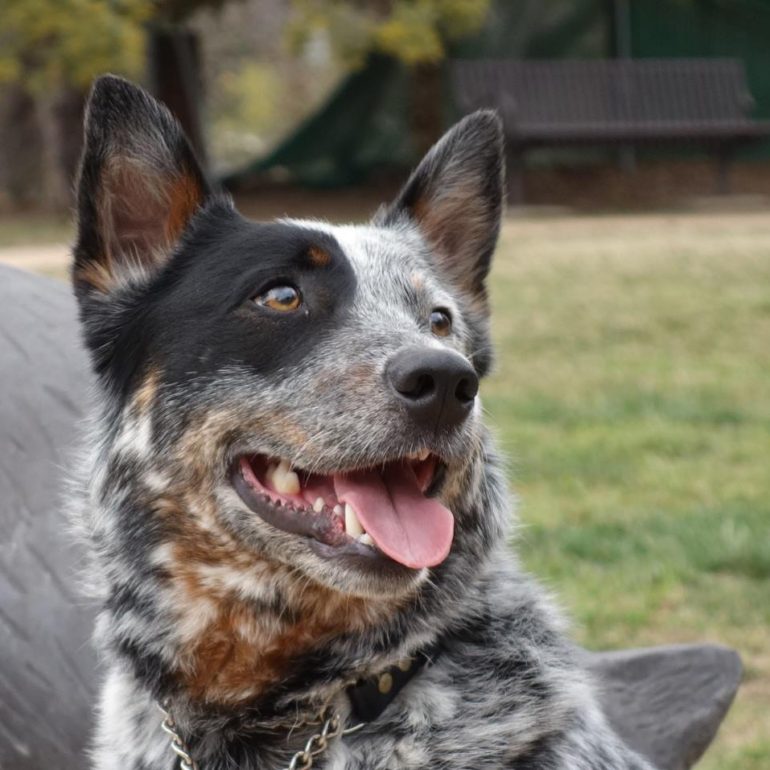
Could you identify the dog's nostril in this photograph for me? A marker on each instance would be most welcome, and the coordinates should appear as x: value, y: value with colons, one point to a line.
x: 466, y: 389
x: 424, y: 387
x: 414, y: 385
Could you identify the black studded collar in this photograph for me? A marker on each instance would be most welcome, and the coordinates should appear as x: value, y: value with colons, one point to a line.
x: 371, y: 696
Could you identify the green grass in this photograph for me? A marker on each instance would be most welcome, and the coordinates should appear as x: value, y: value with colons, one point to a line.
x: 632, y: 394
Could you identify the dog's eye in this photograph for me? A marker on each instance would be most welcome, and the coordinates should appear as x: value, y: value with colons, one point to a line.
x: 281, y: 298
x: 440, y: 322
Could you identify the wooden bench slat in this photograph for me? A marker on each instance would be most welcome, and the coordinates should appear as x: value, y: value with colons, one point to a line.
x: 618, y: 101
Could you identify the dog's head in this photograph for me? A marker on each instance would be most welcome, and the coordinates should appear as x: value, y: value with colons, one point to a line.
x: 291, y: 394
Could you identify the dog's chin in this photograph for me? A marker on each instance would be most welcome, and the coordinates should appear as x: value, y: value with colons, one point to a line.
x: 370, y: 531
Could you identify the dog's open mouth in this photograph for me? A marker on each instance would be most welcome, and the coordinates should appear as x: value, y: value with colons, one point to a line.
x: 384, y: 510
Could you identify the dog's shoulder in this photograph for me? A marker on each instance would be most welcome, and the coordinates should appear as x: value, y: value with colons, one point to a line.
x: 505, y: 689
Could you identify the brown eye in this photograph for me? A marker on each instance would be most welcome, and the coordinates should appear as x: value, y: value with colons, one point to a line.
x: 440, y: 322
x: 281, y: 298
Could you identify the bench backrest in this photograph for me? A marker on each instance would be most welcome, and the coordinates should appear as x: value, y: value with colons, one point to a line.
x: 627, y: 92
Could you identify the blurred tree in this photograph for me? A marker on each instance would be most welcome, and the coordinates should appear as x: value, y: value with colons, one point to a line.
x: 50, y: 43
x: 174, y: 63
x: 50, y: 50
x: 417, y: 32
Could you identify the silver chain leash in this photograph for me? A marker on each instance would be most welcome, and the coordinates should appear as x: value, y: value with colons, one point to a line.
x: 302, y: 760
x: 178, y: 746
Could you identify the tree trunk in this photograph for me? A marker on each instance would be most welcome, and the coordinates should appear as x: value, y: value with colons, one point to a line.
x: 62, y: 127
x: 425, y: 106
x: 68, y: 110
x: 21, y: 151
x: 176, y: 79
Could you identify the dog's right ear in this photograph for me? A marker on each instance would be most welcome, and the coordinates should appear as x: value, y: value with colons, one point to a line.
x: 138, y: 189
x: 455, y: 198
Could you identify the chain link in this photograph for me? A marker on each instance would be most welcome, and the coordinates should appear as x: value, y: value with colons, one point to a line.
x: 178, y: 746
x: 302, y: 760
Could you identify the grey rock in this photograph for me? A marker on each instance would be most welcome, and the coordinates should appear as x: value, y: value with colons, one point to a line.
x: 667, y: 702
x: 47, y: 665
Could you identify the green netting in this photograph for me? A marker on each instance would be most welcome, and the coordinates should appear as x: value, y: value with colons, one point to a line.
x: 695, y: 28
x: 361, y: 126
x: 364, y: 126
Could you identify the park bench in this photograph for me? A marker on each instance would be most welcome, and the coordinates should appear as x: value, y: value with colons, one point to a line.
x: 615, y: 102
x: 666, y: 702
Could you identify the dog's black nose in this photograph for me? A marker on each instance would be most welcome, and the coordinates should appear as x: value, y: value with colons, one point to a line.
x: 437, y: 386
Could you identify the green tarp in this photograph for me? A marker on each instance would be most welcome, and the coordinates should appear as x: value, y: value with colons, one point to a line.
x: 364, y: 126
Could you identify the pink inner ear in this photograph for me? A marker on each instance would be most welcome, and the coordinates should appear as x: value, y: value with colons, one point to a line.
x: 144, y: 211
x: 455, y: 221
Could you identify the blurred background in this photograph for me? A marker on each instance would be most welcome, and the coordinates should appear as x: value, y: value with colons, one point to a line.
x: 632, y: 284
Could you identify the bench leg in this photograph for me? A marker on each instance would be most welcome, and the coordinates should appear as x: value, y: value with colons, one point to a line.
x: 627, y: 159
x: 515, y: 175
x: 724, y: 159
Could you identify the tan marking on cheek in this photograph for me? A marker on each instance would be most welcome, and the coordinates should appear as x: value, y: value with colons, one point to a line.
x: 318, y: 256
x: 281, y: 426
x: 201, y: 448
x: 144, y: 396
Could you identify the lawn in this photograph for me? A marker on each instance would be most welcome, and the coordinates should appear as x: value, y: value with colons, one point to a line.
x: 632, y: 396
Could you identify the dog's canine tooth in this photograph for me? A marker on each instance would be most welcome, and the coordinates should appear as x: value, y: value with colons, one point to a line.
x: 285, y: 480
x: 352, y: 524
x: 318, y: 505
x: 366, y: 539
x: 423, y: 455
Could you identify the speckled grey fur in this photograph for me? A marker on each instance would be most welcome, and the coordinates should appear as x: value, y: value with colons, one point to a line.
x: 507, y: 690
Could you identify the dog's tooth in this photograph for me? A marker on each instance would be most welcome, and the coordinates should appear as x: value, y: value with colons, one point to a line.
x: 270, y: 473
x: 284, y: 479
x: 318, y: 505
x: 337, y: 509
x: 287, y: 483
x: 366, y: 539
x: 352, y: 524
x: 423, y: 455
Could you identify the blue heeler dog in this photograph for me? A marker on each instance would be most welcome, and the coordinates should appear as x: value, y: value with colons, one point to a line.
x: 296, y: 516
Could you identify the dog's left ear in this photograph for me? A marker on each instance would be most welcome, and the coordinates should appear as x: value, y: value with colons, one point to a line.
x: 455, y: 197
x: 138, y: 189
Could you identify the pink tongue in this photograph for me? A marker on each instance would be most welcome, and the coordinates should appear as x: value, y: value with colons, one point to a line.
x: 407, y: 526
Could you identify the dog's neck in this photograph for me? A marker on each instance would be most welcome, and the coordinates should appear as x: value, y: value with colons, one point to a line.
x: 234, y: 649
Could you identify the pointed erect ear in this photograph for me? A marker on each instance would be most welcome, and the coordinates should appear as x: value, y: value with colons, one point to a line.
x: 455, y: 197
x: 139, y: 186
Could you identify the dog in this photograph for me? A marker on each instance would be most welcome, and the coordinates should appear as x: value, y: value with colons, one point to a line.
x: 296, y: 518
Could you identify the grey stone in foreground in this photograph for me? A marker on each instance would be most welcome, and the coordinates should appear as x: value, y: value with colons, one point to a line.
x: 667, y: 702
x: 47, y: 666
